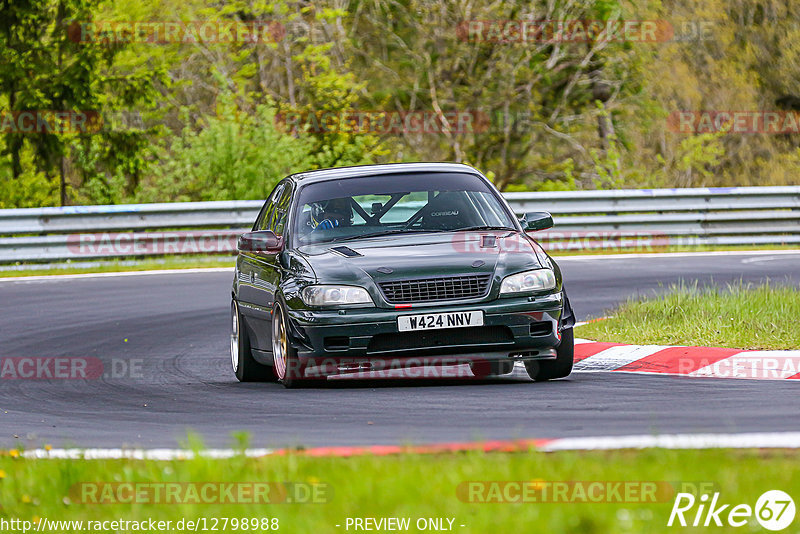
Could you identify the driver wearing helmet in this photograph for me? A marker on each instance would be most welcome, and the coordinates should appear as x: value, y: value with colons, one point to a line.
x: 328, y: 214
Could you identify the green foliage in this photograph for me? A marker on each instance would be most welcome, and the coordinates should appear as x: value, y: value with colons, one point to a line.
x: 234, y: 155
x: 240, y: 149
x: 550, y: 116
x: 46, y: 67
x: 699, y: 153
x: 31, y: 189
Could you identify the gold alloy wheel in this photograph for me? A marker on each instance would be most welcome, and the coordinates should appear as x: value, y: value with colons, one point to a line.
x: 279, y: 344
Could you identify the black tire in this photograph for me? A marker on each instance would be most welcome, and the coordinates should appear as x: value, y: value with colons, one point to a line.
x: 288, y: 368
x: 245, y: 367
x: 487, y: 368
x: 561, y: 367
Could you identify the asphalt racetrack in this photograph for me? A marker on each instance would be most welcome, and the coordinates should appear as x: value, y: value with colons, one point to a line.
x: 167, y: 337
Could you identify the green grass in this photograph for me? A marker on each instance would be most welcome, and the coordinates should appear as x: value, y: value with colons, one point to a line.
x: 410, y: 486
x: 739, y: 316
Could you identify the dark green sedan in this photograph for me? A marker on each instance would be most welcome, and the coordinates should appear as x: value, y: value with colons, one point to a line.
x: 383, y: 267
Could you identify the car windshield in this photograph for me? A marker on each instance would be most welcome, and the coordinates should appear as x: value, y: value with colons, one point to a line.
x: 352, y: 208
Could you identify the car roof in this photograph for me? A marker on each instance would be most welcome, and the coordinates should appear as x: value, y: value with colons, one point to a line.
x: 335, y: 173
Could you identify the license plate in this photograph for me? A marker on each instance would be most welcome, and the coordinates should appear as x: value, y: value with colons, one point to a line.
x: 432, y: 321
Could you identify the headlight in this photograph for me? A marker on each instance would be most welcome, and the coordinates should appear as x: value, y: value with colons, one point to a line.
x: 538, y: 280
x: 334, y: 295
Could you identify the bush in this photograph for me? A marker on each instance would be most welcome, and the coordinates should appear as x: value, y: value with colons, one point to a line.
x: 232, y: 156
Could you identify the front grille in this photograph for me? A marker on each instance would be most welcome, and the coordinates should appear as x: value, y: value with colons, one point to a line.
x: 432, y: 289
x: 482, y: 336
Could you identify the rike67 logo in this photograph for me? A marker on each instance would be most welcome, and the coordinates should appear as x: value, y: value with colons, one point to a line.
x: 774, y: 510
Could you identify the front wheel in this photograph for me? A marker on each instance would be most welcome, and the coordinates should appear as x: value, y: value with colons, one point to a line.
x: 287, y: 365
x: 561, y: 367
x: 245, y: 367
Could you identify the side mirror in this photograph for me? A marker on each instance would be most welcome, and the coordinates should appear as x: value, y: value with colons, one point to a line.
x: 536, y: 220
x: 260, y: 242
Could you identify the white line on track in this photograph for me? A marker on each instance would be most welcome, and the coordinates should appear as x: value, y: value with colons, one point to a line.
x: 623, y: 256
x: 759, y: 440
x: 613, y: 358
x: 139, y: 454
x: 59, y: 277
x: 782, y: 440
x: 760, y: 259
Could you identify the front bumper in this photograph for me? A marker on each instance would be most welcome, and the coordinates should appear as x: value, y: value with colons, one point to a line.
x: 361, y: 339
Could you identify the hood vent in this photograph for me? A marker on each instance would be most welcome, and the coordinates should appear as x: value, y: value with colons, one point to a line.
x: 347, y: 252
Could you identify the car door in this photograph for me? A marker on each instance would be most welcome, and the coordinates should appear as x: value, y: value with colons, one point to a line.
x: 258, y: 273
x: 269, y: 268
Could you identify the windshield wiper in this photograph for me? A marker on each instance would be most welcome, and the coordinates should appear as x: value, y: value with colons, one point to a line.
x: 483, y: 227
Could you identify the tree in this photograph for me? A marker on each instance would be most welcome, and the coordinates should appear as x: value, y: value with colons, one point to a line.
x: 50, y: 69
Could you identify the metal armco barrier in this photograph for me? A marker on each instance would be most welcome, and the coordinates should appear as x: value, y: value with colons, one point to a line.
x: 646, y: 219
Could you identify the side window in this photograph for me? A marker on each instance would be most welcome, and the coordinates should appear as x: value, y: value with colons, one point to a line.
x: 260, y: 219
x: 268, y: 213
x: 281, y: 210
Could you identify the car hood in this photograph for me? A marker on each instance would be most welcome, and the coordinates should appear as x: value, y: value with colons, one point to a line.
x: 398, y: 257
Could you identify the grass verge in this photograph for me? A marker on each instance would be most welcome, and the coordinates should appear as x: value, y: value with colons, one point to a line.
x: 739, y: 316
x: 413, y: 486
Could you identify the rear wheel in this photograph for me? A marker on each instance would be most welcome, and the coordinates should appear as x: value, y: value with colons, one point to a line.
x: 287, y: 365
x: 491, y: 368
x: 561, y: 367
x: 245, y: 367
